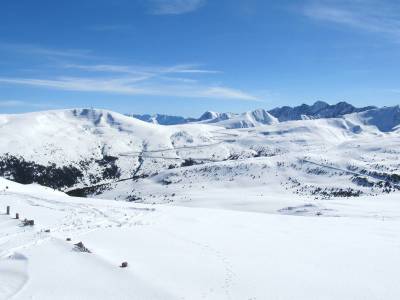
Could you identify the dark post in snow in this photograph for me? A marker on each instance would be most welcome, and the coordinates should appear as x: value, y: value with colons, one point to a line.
x: 8, y: 210
x: 17, y: 216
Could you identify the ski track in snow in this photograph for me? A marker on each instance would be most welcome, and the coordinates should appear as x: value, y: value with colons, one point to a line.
x: 229, y: 274
x: 13, y: 275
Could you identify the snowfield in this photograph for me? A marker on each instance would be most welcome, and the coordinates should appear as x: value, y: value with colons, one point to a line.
x: 194, y: 253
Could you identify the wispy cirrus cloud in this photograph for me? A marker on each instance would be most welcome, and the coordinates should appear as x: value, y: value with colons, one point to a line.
x: 11, y: 103
x: 129, y: 86
x: 19, y: 103
x: 70, y: 74
x: 145, y: 73
x: 174, y: 7
x: 149, y: 70
x: 39, y: 50
x: 381, y: 16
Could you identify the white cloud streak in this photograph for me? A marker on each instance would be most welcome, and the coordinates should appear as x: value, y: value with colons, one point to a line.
x: 11, y: 103
x: 127, y: 86
x: 38, y: 50
x: 174, y: 81
x: 18, y: 103
x: 174, y: 7
x: 368, y: 15
x: 149, y: 70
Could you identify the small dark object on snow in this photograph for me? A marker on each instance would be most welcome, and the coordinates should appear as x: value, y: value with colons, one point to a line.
x: 81, y: 248
x: 68, y: 239
x: 27, y: 222
x: 47, y: 230
x: 124, y: 265
x: 8, y: 210
x: 318, y: 213
x: 17, y: 216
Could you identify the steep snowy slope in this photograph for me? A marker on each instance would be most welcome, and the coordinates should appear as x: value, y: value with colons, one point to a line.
x: 195, y: 253
x: 249, y: 119
x: 213, y: 117
x: 386, y: 119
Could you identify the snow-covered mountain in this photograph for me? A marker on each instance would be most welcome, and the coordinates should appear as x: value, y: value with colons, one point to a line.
x: 162, y: 119
x: 248, y: 119
x: 386, y: 119
x: 213, y: 117
x: 65, y: 148
x: 227, y: 120
x: 318, y: 110
x: 207, y: 117
x: 90, y: 151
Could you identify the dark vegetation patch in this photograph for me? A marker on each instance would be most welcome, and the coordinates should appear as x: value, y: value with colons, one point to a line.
x: 17, y: 169
x: 189, y: 162
x: 362, y: 181
x: 110, y: 169
x: 26, y: 172
x: 336, y: 192
x: 89, y: 190
x: 392, y: 178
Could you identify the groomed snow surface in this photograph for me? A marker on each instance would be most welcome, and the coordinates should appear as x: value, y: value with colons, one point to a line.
x: 176, y: 252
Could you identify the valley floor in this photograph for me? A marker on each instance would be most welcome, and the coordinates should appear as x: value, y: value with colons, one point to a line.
x: 177, y: 252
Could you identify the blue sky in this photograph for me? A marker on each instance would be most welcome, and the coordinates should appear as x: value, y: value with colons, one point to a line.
x: 183, y: 57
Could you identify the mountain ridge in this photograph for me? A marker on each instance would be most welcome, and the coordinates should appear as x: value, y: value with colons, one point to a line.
x: 317, y: 110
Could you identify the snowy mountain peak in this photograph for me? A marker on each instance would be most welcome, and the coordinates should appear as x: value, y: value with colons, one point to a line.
x: 96, y: 116
x: 161, y: 119
x: 318, y: 105
x: 248, y: 119
x: 262, y: 116
x: 209, y: 115
x: 318, y: 110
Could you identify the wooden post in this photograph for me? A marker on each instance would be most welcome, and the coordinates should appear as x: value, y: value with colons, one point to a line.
x: 17, y: 216
x: 8, y: 210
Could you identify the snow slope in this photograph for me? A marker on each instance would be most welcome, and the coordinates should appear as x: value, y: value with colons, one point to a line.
x: 70, y: 135
x: 249, y: 119
x: 92, y: 141
x: 195, y: 253
x: 386, y: 119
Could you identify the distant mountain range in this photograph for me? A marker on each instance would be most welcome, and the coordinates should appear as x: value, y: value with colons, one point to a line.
x: 162, y: 119
x: 318, y: 110
x: 257, y: 117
